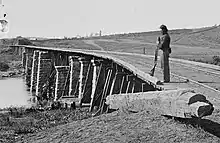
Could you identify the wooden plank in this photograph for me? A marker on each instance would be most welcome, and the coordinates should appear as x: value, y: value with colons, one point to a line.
x: 182, y: 103
x: 105, y: 90
x: 97, y: 87
x: 87, y: 91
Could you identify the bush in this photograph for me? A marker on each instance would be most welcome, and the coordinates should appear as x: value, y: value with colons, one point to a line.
x: 216, y: 60
x: 4, y: 66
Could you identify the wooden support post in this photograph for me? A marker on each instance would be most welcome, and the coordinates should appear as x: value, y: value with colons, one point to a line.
x: 131, y: 83
x: 34, y: 71
x: 28, y: 66
x: 105, y: 90
x: 133, y: 87
x: 24, y: 59
x: 127, y: 89
x: 43, y: 71
x: 124, y: 82
x: 103, y: 83
x: 16, y: 50
x: 142, y: 87
x: 183, y: 103
x: 119, y: 82
x: 64, y: 59
x: 19, y: 50
x: 94, y: 82
x: 74, y: 75
x: 84, y: 66
x: 61, y: 78
x: 56, y: 58
x: 87, y: 91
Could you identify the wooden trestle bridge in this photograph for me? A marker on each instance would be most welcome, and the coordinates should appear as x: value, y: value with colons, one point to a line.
x: 104, y: 80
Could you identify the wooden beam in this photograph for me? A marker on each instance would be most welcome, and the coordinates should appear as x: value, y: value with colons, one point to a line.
x: 34, y: 70
x: 85, y: 64
x: 95, y: 64
x: 97, y: 70
x: 44, y: 67
x: 182, y: 103
x: 87, y: 88
x: 74, y: 75
x: 62, y: 73
x: 105, y: 89
x: 102, y: 87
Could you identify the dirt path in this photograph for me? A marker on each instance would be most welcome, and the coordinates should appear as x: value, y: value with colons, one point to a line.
x: 91, y: 42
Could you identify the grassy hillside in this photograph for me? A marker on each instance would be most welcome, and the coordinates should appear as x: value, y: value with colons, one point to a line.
x: 67, y: 43
x: 201, y: 44
x: 206, y: 36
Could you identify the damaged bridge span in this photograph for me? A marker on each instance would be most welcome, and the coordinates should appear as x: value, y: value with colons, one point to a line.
x: 100, y: 80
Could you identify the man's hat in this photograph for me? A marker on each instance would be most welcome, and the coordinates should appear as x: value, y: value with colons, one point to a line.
x: 163, y: 27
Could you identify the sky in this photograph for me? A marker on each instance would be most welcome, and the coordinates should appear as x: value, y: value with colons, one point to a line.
x: 59, y: 18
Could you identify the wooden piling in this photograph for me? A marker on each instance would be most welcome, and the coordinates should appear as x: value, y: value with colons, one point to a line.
x: 34, y: 71
x: 84, y: 66
x: 43, y: 71
x: 74, y: 75
x: 95, y: 65
x: 61, y: 77
x: 28, y: 66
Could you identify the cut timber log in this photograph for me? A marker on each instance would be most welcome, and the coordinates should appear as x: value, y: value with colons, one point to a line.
x: 183, y: 103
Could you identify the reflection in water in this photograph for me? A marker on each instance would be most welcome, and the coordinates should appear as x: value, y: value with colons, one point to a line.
x: 13, y: 92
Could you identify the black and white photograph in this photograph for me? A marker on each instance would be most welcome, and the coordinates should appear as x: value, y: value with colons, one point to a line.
x: 109, y: 71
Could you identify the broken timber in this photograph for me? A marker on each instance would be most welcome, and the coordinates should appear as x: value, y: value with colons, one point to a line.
x: 183, y: 103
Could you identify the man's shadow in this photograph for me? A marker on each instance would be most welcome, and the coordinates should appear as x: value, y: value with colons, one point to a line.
x: 205, y: 124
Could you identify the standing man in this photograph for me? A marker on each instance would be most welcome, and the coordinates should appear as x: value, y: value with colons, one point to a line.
x: 163, y: 43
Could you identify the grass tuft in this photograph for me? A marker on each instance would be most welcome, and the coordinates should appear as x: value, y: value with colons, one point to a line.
x: 20, y: 121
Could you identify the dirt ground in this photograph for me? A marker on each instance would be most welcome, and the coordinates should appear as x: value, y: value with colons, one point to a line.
x: 119, y: 127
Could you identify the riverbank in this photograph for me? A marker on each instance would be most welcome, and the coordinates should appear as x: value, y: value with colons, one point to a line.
x: 19, y: 122
x: 11, y: 74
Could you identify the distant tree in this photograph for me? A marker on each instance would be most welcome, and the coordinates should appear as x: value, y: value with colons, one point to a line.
x: 4, y: 66
x: 91, y: 35
x: 216, y: 60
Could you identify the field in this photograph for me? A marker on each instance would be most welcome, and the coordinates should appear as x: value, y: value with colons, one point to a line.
x: 191, y: 44
x: 200, y: 44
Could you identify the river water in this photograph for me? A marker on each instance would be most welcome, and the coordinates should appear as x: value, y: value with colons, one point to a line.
x: 13, y: 92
